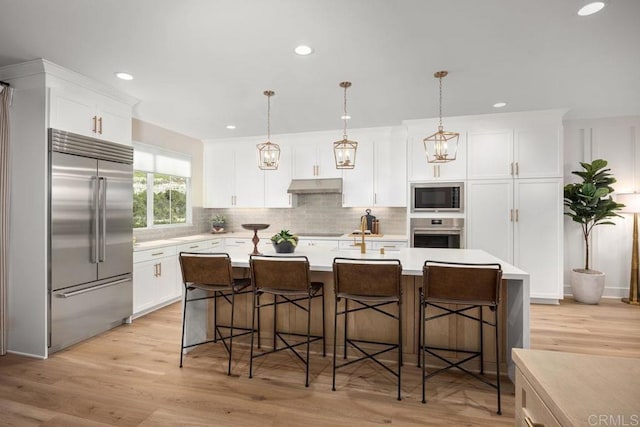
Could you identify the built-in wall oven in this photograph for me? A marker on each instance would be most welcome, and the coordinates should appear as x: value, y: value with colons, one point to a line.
x: 437, y: 233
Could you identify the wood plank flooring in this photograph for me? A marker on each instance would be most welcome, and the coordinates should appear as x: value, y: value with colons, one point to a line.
x: 129, y: 376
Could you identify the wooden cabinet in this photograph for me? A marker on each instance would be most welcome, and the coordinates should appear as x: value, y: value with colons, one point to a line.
x: 154, y: 279
x: 82, y: 111
x: 231, y: 176
x: 520, y: 221
x: 313, y: 156
x: 555, y: 388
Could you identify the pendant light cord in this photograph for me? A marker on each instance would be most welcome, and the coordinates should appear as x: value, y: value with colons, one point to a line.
x: 344, y: 133
x: 268, y: 118
x: 440, y: 78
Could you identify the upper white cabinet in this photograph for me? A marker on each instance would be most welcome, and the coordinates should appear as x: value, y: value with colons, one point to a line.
x: 276, y: 182
x: 420, y: 170
x: 313, y: 156
x: 357, y: 183
x: 231, y: 175
x: 390, y: 175
x: 534, y: 152
x: 380, y: 174
x: 88, y: 113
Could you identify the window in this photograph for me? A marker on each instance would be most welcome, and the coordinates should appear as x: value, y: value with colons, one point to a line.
x: 161, y: 187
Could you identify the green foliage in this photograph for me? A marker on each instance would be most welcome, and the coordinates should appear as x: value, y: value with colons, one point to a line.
x: 285, y: 236
x: 589, y: 202
x: 218, y: 220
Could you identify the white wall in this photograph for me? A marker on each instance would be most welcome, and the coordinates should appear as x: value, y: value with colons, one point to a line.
x: 616, y: 140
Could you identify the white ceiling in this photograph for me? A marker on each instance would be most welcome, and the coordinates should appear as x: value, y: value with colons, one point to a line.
x: 202, y: 64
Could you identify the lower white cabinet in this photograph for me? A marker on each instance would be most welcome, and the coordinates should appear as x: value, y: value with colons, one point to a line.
x: 331, y: 244
x: 520, y: 221
x: 154, y: 279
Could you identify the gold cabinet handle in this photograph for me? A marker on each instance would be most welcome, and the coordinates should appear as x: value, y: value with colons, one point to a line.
x: 517, y: 168
x: 160, y: 269
x: 510, y: 215
x: 157, y: 253
x: 516, y: 215
x: 100, y: 125
x: 94, y: 120
x: 511, y: 168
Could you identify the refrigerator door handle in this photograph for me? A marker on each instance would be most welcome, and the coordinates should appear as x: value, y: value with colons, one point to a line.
x: 95, y: 232
x: 95, y: 288
x: 103, y: 218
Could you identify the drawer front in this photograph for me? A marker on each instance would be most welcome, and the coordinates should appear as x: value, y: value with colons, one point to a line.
x: 348, y: 244
x: 150, y: 254
x: 391, y: 246
x: 213, y: 245
x: 530, y: 408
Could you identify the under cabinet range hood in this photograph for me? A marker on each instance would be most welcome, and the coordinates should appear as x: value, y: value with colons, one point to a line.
x: 316, y: 186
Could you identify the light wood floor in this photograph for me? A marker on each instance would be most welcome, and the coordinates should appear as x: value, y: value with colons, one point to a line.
x: 129, y: 376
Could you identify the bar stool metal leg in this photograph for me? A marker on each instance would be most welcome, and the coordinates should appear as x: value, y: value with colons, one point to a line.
x: 253, y: 324
x: 306, y: 383
x: 233, y: 306
x: 184, y: 317
x: 481, y: 341
x: 399, y: 348
x: 498, y: 364
x: 335, y: 333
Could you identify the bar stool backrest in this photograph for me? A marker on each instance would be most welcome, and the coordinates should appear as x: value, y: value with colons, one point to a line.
x: 378, y: 278
x: 280, y: 273
x: 457, y: 282
x: 206, y: 268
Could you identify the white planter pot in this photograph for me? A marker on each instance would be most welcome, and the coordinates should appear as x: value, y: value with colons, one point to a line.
x: 587, y: 286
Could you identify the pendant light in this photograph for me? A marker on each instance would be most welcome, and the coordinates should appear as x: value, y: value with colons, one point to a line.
x: 344, y: 151
x: 442, y: 146
x: 268, y: 152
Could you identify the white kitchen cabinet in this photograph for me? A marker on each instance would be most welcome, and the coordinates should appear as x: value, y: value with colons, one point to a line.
x: 389, y: 245
x: 313, y: 156
x: 276, y: 182
x: 515, y: 152
x: 379, y: 178
x: 357, y: 183
x: 154, y: 279
x: 85, y: 112
x: 390, y: 174
x: 330, y: 244
x: 420, y: 169
x: 232, y: 176
x: 520, y: 221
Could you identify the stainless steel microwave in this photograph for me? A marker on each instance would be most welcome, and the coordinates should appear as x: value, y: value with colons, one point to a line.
x: 437, y: 197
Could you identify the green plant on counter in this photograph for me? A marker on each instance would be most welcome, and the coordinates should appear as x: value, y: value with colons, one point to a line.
x: 218, y: 220
x: 285, y: 236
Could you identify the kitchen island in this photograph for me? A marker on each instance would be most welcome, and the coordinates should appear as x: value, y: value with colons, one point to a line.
x: 514, y: 310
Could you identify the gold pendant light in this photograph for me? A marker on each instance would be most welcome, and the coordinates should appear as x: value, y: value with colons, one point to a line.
x: 268, y: 152
x: 344, y: 151
x: 442, y: 146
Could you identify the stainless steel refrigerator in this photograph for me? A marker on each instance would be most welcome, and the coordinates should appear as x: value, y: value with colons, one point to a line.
x: 90, y: 244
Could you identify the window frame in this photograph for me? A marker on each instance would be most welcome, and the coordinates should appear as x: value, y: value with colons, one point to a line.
x: 154, y: 151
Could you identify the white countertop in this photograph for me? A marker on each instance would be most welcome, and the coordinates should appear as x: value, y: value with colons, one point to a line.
x: 412, y: 259
x: 153, y: 244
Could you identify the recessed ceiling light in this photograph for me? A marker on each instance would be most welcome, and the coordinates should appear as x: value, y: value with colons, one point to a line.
x: 124, y: 76
x: 590, y: 8
x: 231, y: 127
x: 303, y: 50
x: 499, y: 104
x: 345, y: 117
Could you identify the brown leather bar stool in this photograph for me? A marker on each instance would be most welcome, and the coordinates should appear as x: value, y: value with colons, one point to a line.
x: 469, y: 287
x: 287, y: 278
x: 212, y: 272
x: 371, y: 284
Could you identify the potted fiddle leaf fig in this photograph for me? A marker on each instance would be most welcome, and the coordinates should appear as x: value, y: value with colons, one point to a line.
x: 284, y: 242
x: 589, y: 203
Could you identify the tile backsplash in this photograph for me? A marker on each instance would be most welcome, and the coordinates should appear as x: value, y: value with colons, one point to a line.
x: 313, y: 213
